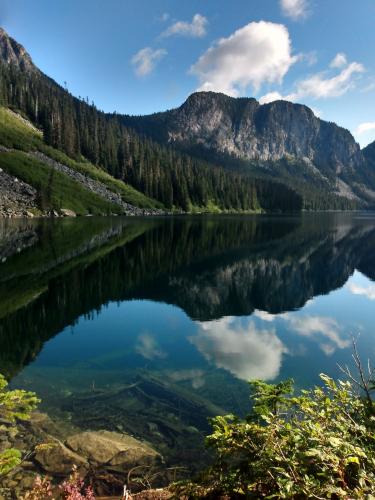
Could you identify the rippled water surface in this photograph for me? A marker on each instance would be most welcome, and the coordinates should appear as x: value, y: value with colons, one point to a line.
x: 149, y: 326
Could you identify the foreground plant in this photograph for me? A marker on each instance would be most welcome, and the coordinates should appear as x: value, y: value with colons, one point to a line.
x: 14, y: 406
x: 74, y: 488
x: 42, y: 490
x: 317, y: 445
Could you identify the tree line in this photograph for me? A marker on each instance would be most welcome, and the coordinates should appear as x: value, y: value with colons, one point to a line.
x: 178, y: 180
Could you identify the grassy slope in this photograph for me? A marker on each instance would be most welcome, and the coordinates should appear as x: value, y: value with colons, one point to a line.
x: 59, y: 190
x: 18, y: 134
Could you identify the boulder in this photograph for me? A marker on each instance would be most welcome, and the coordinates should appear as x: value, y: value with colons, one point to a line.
x: 119, y: 451
x: 41, y: 425
x: 66, y: 212
x: 58, y: 460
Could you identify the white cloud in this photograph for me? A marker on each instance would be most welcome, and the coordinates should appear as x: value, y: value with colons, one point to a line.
x: 366, y: 291
x: 317, y: 112
x: 148, y: 348
x: 276, y: 96
x: 321, y: 86
x: 243, y: 350
x: 365, y: 127
x: 296, y: 9
x: 257, y: 53
x: 311, y: 58
x: 145, y: 60
x: 196, y: 29
x: 339, y: 60
x: 270, y: 97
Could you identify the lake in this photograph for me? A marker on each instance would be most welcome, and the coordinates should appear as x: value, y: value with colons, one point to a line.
x: 151, y: 325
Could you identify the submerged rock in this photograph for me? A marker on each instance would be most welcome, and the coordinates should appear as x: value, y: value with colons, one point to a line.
x: 104, y: 450
x: 113, y: 449
x: 59, y: 460
x: 104, y: 459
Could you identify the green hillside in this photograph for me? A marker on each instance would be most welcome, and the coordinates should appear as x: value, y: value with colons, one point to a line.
x: 55, y: 189
x: 177, y: 180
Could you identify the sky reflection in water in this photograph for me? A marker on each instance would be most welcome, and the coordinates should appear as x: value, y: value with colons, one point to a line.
x: 280, y: 302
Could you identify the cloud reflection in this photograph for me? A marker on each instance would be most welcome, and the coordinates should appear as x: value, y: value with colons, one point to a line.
x: 147, y: 347
x: 238, y: 346
x: 193, y: 375
x: 312, y: 326
x: 366, y: 291
x: 324, y: 328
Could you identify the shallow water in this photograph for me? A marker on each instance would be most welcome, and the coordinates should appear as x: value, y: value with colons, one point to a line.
x: 148, y: 326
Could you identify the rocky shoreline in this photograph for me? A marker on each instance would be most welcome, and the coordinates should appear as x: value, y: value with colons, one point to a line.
x: 106, y: 460
x: 17, y: 198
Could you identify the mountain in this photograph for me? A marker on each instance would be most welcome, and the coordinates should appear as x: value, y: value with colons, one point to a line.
x: 279, y: 140
x: 369, y: 156
x: 245, y: 129
x: 90, y: 146
x: 213, y: 153
x: 13, y: 53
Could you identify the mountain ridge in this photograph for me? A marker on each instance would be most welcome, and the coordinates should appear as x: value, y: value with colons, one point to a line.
x: 82, y: 132
x: 241, y: 132
x: 242, y: 105
x: 213, y: 151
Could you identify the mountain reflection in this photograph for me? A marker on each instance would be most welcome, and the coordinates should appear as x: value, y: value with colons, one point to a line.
x: 214, y: 268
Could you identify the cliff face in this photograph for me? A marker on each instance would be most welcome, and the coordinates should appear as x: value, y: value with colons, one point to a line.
x: 13, y: 53
x: 249, y: 130
x: 258, y: 136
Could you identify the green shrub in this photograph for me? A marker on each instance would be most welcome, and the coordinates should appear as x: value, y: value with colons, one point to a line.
x: 319, y: 444
x: 14, y: 405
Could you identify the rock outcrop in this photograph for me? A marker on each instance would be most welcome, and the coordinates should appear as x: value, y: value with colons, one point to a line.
x: 16, y: 197
x: 245, y: 129
x: 13, y: 53
x: 241, y: 132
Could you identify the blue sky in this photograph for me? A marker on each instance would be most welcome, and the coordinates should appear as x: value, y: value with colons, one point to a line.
x: 141, y: 56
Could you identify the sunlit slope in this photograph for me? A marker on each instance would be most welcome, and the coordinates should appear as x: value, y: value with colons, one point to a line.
x: 18, y: 137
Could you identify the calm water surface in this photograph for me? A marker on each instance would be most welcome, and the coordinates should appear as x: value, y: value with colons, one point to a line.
x: 149, y: 326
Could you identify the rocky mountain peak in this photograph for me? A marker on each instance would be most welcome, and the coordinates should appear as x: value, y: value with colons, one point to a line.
x: 11, y: 52
x: 280, y: 139
x: 201, y: 102
x: 245, y: 129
